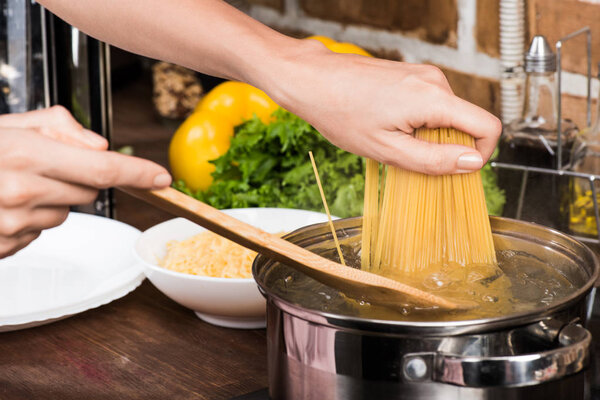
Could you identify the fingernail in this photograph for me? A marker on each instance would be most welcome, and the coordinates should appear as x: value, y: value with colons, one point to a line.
x: 469, y: 161
x: 162, y: 180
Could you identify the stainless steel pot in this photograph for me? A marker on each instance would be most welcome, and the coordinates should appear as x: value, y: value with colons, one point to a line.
x: 315, y: 354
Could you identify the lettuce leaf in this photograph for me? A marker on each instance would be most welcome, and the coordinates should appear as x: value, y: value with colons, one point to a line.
x: 268, y: 166
x: 494, y: 196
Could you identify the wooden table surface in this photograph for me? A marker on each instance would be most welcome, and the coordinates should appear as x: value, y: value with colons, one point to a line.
x: 142, y: 346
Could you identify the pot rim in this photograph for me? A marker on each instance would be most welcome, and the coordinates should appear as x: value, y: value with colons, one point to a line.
x: 432, y: 328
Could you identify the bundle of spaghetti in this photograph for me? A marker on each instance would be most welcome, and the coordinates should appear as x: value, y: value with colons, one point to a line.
x: 414, y: 221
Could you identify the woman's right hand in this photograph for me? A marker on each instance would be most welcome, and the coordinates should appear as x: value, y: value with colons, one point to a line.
x: 371, y: 107
x: 48, y: 162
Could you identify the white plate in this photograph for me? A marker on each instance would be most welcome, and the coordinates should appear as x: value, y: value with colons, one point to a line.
x: 84, y: 263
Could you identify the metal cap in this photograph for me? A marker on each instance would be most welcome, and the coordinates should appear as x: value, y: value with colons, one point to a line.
x: 540, y: 57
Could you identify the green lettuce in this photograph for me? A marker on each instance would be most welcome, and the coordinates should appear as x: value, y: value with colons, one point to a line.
x: 494, y: 196
x: 269, y: 166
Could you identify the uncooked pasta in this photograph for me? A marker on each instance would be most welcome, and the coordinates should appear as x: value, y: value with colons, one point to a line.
x: 335, y: 238
x: 414, y: 221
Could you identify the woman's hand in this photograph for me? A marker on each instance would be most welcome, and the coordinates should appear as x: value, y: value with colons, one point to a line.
x: 371, y: 106
x: 48, y: 162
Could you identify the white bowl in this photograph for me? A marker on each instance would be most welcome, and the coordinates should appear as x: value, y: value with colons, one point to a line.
x: 228, y: 302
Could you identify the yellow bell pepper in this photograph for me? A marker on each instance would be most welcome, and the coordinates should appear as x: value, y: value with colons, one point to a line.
x: 203, y: 136
x: 237, y: 102
x: 340, y: 47
x: 259, y: 104
x: 228, y: 100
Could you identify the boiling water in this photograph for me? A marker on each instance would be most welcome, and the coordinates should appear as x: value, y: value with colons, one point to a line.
x: 520, y: 282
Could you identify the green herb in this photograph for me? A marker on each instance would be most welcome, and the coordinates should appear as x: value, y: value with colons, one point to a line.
x: 494, y: 196
x: 268, y: 166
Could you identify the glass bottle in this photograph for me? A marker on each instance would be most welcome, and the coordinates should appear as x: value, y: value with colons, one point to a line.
x: 585, y: 158
x: 531, y: 140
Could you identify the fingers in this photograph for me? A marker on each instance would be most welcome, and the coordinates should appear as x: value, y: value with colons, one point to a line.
x: 29, y: 152
x: 19, y: 221
x: 101, y: 169
x: 436, y: 106
x: 22, y: 189
x: 27, y: 206
x: 45, y: 169
x: 83, y: 138
x: 56, y: 123
x: 10, y: 245
x: 404, y: 151
x: 467, y: 117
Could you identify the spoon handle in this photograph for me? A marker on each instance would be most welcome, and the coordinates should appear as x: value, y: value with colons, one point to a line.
x: 231, y: 228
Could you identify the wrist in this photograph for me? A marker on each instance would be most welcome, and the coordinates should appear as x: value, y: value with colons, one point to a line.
x: 283, y: 66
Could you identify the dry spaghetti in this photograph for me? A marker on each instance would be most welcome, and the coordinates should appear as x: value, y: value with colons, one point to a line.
x: 413, y: 222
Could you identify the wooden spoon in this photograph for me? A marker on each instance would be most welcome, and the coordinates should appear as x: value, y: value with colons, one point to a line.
x: 353, y: 282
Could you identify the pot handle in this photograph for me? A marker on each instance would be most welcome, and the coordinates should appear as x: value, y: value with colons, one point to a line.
x: 569, y: 357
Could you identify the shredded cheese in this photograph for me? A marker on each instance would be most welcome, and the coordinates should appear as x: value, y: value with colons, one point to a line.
x: 208, y: 254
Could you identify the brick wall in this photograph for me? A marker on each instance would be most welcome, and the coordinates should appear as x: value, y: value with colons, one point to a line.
x: 431, y: 20
x: 460, y: 36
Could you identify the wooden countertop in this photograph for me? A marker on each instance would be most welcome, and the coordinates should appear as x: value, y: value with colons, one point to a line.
x: 143, y: 346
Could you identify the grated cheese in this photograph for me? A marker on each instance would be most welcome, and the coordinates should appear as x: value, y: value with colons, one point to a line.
x: 208, y: 254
